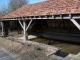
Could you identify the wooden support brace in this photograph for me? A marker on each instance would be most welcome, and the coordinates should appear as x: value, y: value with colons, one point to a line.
x: 21, y: 24
x: 32, y: 25
x: 29, y: 24
x: 75, y: 23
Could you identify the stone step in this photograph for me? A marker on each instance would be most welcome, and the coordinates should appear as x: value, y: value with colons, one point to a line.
x: 73, y: 57
x: 78, y: 54
x: 29, y: 37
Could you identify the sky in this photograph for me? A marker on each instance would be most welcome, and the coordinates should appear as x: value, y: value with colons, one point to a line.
x: 4, y: 3
x: 35, y: 1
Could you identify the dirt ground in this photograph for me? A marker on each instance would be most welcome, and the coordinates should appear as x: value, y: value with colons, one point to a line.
x: 24, y: 51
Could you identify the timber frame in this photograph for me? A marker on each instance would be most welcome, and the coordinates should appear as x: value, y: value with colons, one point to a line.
x: 25, y: 27
x: 62, y: 16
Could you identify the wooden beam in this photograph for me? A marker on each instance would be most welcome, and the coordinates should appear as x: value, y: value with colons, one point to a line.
x: 29, y: 24
x: 25, y: 33
x: 21, y: 24
x: 75, y: 23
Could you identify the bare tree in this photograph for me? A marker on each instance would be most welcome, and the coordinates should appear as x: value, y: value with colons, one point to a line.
x: 4, y: 11
x: 15, y: 4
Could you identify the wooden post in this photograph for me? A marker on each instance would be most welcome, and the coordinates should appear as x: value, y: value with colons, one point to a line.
x: 2, y: 25
x: 25, y: 33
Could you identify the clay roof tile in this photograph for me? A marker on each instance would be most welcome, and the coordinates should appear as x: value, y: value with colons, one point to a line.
x: 51, y: 7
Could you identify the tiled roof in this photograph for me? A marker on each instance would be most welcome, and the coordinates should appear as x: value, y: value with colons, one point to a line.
x: 51, y: 7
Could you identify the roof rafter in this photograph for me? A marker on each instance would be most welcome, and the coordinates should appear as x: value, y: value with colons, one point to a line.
x: 64, y: 16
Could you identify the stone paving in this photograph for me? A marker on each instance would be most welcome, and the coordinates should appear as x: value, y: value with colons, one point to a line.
x: 5, y: 56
